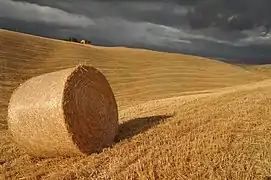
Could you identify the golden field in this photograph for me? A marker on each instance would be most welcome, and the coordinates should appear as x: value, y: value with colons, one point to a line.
x: 181, y: 116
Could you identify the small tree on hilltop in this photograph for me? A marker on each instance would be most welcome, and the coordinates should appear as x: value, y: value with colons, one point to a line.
x: 72, y: 39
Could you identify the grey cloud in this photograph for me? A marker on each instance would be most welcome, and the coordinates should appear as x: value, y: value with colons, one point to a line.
x: 159, y: 12
x: 162, y: 25
x: 41, y: 29
x: 165, y: 13
x: 224, y: 14
x: 130, y: 33
x: 237, y: 15
x: 36, y: 13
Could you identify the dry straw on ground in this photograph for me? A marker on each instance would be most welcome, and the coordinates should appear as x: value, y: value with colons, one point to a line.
x: 68, y: 112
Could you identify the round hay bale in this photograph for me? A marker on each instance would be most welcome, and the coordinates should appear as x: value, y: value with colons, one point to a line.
x: 68, y: 112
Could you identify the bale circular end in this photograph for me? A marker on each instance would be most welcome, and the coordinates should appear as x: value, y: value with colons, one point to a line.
x: 90, y: 109
x: 68, y: 112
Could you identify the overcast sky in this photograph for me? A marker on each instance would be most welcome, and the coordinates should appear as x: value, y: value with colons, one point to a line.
x: 235, y: 30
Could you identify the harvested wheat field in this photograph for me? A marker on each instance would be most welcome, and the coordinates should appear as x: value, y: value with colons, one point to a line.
x: 181, y: 117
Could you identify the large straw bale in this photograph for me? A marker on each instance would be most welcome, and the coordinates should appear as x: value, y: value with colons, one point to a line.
x: 68, y: 112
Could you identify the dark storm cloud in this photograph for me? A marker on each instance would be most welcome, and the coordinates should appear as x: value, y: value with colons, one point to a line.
x: 215, y: 27
x: 225, y: 14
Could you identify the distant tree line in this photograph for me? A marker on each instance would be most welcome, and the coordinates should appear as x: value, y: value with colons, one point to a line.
x: 72, y: 39
x: 11, y: 29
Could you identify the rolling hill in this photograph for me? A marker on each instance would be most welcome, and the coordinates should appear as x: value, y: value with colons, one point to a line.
x: 182, y: 117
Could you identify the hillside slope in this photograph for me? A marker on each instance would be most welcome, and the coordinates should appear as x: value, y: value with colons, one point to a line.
x: 260, y: 69
x: 182, y: 117
x: 135, y: 75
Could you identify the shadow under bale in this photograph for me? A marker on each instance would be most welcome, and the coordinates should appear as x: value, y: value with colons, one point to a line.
x: 136, y: 126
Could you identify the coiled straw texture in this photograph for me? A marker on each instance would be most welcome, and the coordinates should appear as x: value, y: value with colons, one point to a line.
x: 64, y: 113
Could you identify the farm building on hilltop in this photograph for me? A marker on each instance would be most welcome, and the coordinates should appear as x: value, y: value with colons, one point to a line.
x: 85, y: 42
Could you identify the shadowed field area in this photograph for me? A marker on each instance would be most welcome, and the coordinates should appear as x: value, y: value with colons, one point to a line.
x: 182, y: 117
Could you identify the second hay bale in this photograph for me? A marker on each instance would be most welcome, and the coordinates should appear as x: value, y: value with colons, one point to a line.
x: 68, y: 112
